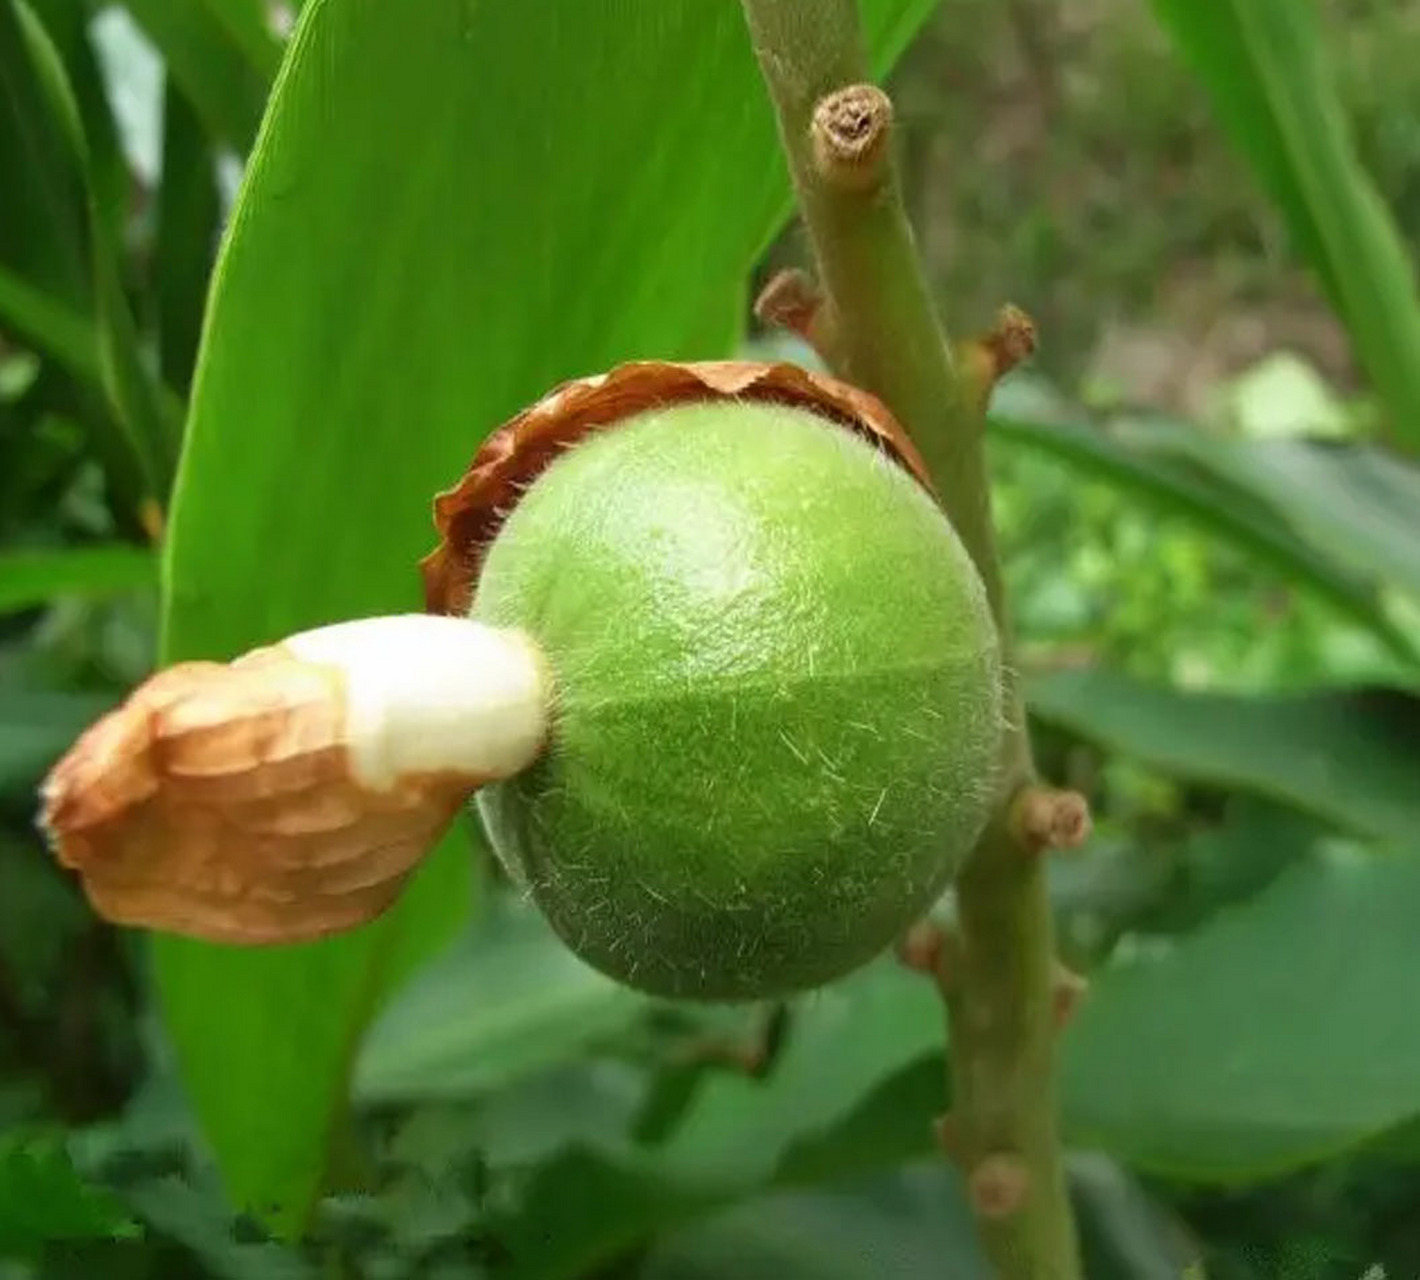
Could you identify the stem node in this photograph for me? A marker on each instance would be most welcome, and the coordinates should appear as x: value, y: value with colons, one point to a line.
x: 989, y: 358
x: 1043, y: 818
x: 999, y: 1186
x: 1068, y: 990
x: 791, y: 300
x: 850, y: 130
x: 932, y: 949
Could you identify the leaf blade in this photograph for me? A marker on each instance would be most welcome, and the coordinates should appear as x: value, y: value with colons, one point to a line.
x: 1263, y: 64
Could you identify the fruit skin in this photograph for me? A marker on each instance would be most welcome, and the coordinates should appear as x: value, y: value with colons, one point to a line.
x: 777, y: 699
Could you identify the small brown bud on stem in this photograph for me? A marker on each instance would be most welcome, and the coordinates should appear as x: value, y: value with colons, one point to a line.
x: 792, y: 301
x: 932, y: 949
x: 1043, y: 818
x: 989, y: 358
x: 999, y: 1185
x: 1068, y: 990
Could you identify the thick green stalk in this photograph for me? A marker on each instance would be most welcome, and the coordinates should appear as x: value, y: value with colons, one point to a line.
x: 878, y: 328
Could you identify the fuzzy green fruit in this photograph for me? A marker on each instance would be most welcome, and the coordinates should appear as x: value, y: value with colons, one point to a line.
x: 777, y: 699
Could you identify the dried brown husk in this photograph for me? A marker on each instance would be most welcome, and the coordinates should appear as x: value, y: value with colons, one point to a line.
x: 469, y: 515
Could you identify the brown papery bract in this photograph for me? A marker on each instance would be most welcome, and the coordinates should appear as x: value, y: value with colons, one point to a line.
x: 469, y: 515
x: 220, y: 802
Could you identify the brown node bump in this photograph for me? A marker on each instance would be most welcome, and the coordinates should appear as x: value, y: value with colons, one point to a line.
x: 469, y: 515
x: 1068, y: 990
x: 791, y: 301
x: 999, y: 1185
x: 1044, y: 818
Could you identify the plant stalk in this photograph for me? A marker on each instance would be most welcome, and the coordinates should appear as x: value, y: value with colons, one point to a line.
x: 880, y: 331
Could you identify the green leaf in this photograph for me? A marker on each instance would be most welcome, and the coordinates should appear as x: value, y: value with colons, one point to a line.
x: 42, y: 222
x: 509, y: 1000
x: 44, y: 1201
x: 68, y: 22
x: 1264, y: 65
x: 49, y: 325
x: 1124, y: 1234
x: 189, y: 209
x: 1349, y: 758
x: 52, y: 154
x: 1291, y: 506
x: 221, y: 56
x: 443, y: 217
x: 36, y: 728
x: 594, y: 1194
x: 1356, y: 506
x: 30, y: 578
x: 913, y: 1224
x: 1276, y: 1035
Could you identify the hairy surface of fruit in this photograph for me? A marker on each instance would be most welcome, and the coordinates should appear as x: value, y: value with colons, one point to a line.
x: 777, y: 699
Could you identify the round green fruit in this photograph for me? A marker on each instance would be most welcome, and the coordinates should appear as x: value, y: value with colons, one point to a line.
x: 776, y: 699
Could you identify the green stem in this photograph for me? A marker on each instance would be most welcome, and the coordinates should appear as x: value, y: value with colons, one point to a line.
x: 881, y: 332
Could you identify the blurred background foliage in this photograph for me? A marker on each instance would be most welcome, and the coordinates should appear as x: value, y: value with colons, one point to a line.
x: 1210, y: 524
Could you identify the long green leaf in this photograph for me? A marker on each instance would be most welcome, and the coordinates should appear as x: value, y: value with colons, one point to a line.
x: 53, y: 155
x: 1355, y: 506
x: 220, y: 59
x: 449, y: 209
x: 45, y: 322
x: 1264, y: 65
x: 1349, y: 758
x: 68, y: 22
x: 189, y: 210
x: 30, y: 578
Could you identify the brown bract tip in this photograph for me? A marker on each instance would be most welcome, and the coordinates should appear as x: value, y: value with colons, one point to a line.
x: 469, y: 515
x: 790, y: 300
x: 219, y: 801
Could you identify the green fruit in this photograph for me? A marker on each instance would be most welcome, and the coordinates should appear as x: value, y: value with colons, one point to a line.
x: 777, y: 699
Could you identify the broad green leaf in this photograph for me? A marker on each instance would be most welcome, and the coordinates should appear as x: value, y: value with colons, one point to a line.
x: 1264, y: 65
x: 44, y: 1201
x: 593, y: 1194
x: 913, y: 1224
x: 30, y: 578
x: 537, y: 1006
x: 43, y: 232
x: 1277, y: 1034
x: 1289, y: 505
x: 216, y: 52
x: 1349, y: 758
x: 445, y: 214
x: 36, y: 728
